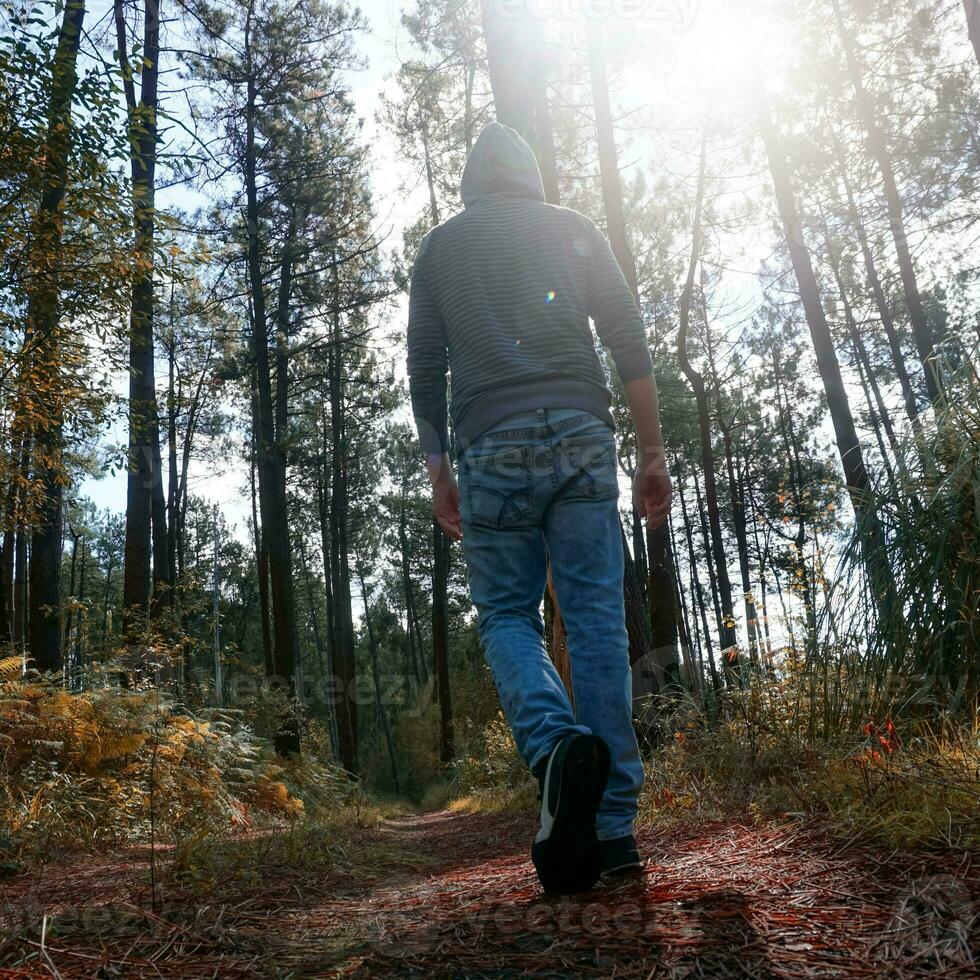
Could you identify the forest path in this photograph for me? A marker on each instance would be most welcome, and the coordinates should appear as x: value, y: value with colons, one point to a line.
x: 454, y: 895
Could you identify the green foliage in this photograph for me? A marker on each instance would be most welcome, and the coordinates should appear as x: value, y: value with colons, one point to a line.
x: 923, y: 656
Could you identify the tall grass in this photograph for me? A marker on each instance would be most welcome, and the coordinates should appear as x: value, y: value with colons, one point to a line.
x: 916, y: 655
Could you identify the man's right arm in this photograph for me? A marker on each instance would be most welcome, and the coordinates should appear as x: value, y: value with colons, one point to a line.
x: 428, y: 362
x: 651, y: 482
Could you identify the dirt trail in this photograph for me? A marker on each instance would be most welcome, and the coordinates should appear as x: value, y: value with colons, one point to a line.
x: 722, y: 900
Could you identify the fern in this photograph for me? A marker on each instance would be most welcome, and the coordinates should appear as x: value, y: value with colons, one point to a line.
x: 11, y: 669
x: 76, y: 770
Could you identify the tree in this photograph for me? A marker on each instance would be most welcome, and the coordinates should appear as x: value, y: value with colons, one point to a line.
x: 45, y: 332
x: 146, y: 521
x: 662, y: 588
x: 921, y: 329
x: 726, y: 614
x: 972, y: 10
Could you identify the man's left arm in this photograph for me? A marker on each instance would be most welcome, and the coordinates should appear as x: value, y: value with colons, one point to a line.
x: 620, y: 328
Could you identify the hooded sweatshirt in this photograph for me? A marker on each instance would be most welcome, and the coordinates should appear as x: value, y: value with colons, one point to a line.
x: 501, y: 297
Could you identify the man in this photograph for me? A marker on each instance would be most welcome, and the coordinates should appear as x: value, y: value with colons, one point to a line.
x: 501, y: 296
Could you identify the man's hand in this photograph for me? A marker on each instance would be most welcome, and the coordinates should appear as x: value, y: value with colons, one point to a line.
x: 652, y: 490
x: 651, y: 484
x: 445, y: 496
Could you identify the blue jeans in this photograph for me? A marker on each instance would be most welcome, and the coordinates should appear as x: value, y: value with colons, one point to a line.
x: 544, y: 484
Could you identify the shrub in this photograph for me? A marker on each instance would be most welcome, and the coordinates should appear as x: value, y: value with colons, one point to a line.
x: 106, y: 766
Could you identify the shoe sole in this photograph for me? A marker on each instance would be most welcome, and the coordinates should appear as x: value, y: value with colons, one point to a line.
x: 568, y: 860
x: 622, y: 870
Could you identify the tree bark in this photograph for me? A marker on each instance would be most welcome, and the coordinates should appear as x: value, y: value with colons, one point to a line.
x: 273, y: 505
x: 146, y: 532
x: 261, y: 552
x: 440, y: 640
x: 376, y: 675
x: 972, y: 10
x: 44, y: 600
x: 343, y: 646
x: 515, y: 62
x: 663, y: 610
x: 848, y: 444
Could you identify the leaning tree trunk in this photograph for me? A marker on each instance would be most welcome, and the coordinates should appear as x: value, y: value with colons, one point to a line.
x: 972, y: 10
x: 878, y: 291
x: 146, y: 519
x: 44, y: 601
x: 726, y: 621
x: 921, y: 330
x: 848, y: 445
x: 663, y: 608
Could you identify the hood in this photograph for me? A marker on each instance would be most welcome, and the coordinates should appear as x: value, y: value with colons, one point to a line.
x: 500, y: 160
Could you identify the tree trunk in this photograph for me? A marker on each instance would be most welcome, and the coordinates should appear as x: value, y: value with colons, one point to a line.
x: 326, y: 555
x: 343, y: 646
x: 881, y: 303
x: 515, y: 63
x: 921, y: 330
x: 848, y: 445
x: 972, y: 10
x: 698, y: 590
x: 827, y: 364
x: 414, y: 652
x: 72, y: 571
x: 273, y: 505
x: 44, y: 601
x: 738, y: 509
x: 261, y: 553
x: 376, y: 674
x: 440, y: 640
x: 663, y: 610
x: 21, y: 534
x: 146, y: 532
x: 80, y: 629
x: 173, y: 479
x: 726, y: 620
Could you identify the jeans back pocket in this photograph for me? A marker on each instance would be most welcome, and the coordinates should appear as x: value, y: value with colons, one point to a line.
x: 588, y: 464
x: 497, y: 491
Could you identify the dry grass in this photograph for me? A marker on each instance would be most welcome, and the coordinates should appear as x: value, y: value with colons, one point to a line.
x: 898, y: 786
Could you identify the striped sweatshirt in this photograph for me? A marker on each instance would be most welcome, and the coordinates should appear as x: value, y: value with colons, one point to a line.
x: 501, y: 297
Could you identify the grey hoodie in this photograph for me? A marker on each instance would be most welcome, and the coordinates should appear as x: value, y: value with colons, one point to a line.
x: 501, y: 297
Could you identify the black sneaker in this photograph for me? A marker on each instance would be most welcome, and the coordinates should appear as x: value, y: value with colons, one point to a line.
x: 619, y: 856
x: 565, y: 850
